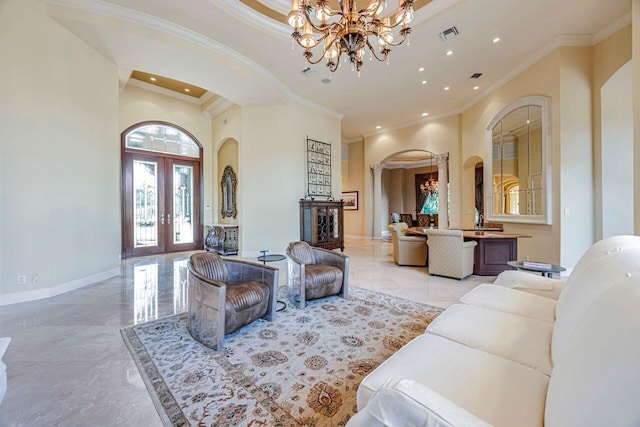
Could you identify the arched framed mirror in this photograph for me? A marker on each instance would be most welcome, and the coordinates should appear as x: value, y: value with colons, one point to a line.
x: 517, y: 175
x: 228, y: 186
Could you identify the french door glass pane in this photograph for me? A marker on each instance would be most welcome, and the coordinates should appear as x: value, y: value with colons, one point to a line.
x: 182, y: 204
x: 145, y: 203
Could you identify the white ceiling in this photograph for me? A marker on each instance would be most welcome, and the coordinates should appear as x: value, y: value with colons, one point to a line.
x: 229, y: 49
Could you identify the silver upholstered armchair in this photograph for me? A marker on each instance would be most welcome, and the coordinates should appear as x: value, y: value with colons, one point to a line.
x: 449, y: 254
x: 225, y: 295
x: 407, y: 250
x: 315, y: 273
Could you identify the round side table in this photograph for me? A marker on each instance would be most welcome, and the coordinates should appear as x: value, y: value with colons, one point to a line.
x: 543, y: 270
x: 273, y: 258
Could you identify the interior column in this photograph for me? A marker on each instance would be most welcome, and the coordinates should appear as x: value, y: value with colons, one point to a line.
x: 443, y: 191
x: 377, y: 201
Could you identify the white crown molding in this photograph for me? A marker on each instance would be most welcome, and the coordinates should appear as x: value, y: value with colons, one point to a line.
x: 562, y: 40
x: 317, y: 107
x: 142, y: 19
x: 102, y: 8
x: 218, y: 106
x: 123, y: 78
x: 413, y: 122
x: 553, y: 45
x: 574, y: 40
x: 280, y: 6
x: 612, y: 28
x: 351, y: 140
x: 432, y: 9
x: 36, y: 294
x: 163, y: 91
x: 253, y: 18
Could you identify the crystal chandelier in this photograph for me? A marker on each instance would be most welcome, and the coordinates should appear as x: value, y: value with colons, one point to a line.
x: 348, y: 29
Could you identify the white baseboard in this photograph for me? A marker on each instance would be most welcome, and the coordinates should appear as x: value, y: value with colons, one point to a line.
x: 36, y: 294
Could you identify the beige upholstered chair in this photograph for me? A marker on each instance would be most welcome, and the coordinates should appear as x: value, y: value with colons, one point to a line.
x: 407, y: 250
x: 225, y: 295
x: 449, y: 254
x: 315, y: 273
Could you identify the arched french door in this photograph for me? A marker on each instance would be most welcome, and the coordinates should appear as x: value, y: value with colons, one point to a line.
x: 161, y: 190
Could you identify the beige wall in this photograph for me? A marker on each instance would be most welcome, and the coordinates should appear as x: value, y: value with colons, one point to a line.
x: 576, y: 177
x: 272, y: 168
x: 608, y: 56
x: 227, y: 156
x: 225, y: 127
x: 354, y: 220
x: 542, y: 78
x: 60, y: 157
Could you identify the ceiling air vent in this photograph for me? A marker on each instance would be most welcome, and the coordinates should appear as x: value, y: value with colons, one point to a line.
x: 476, y: 75
x: 308, y: 71
x: 449, y: 33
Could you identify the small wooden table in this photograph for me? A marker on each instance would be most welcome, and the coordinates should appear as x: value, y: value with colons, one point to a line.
x: 544, y: 270
x: 494, y: 251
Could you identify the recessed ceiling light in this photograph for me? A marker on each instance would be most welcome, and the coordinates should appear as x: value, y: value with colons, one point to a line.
x: 153, y: 79
x: 378, y: 127
x: 187, y: 90
x: 496, y: 39
x: 424, y: 82
x: 449, y: 52
x: 425, y: 114
x: 476, y: 87
x: 447, y: 88
x: 421, y: 69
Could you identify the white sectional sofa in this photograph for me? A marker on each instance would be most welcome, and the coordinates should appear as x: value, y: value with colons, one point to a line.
x: 507, y: 356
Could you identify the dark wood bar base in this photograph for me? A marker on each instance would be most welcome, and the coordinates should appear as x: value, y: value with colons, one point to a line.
x: 493, y: 252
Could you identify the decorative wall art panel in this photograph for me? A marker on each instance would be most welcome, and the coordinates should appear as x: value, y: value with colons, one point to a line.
x: 318, y: 168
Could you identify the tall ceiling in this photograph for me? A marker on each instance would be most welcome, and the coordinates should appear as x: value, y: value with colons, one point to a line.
x: 233, y: 49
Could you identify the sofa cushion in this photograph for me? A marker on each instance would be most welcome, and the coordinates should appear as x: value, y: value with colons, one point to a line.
x: 496, y: 390
x: 523, y: 279
x: 517, y: 338
x: 409, y: 403
x: 596, y: 380
x: 604, y: 264
x: 512, y: 301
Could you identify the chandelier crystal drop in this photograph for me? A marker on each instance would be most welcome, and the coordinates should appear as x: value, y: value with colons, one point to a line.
x: 348, y: 30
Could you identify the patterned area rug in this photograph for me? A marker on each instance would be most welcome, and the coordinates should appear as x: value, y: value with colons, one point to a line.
x: 301, y: 370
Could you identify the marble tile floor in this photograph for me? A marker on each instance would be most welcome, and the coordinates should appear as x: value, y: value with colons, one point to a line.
x: 68, y: 366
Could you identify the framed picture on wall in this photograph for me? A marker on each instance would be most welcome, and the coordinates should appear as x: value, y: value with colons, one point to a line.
x: 350, y: 199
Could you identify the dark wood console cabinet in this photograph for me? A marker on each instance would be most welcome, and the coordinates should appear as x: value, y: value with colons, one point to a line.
x: 222, y: 238
x: 322, y: 223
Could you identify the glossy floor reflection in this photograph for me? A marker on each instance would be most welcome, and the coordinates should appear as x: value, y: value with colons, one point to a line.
x: 68, y: 366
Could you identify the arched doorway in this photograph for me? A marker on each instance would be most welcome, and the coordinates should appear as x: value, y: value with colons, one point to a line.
x: 161, y: 190
x: 411, y: 182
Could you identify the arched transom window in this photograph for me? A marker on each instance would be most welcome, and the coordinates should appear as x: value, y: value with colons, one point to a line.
x: 162, y: 139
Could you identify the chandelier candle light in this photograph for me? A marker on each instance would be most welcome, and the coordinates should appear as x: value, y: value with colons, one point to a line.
x: 348, y: 30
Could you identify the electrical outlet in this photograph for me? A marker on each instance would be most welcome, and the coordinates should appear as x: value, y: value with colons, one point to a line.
x: 22, y: 279
x: 35, y: 277
x: 526, y: 258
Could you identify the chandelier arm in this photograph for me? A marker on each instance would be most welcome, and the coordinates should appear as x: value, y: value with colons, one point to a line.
x: 322, y: 27
x: 385, y: 52
x: 308, y: 54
